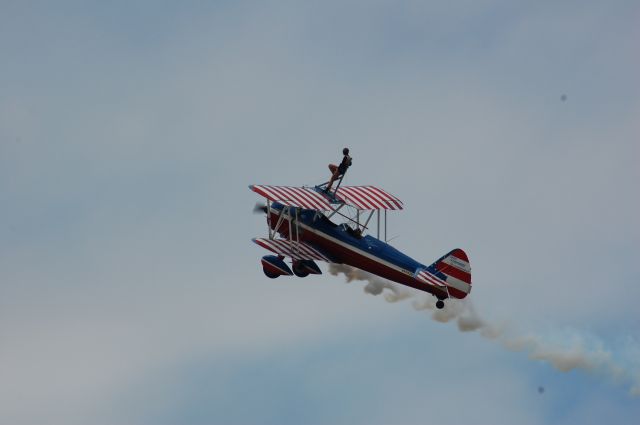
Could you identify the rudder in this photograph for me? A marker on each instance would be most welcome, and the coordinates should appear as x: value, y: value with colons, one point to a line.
x: 455, y: 270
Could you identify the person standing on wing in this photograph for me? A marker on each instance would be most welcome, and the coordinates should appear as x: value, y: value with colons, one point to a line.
x: 337, y: 171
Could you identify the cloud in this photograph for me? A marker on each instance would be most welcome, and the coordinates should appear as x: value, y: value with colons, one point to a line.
x: 127, y: 142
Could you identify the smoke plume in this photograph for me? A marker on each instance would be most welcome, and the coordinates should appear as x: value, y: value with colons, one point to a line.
x: 573, y: 351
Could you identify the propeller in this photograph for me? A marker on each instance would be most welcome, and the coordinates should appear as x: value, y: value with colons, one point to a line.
x: 259, y: 208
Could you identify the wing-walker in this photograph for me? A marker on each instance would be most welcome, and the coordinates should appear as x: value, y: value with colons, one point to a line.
x: 301, y: 227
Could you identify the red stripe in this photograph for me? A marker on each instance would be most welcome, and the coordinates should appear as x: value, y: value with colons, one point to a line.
x: 369, y: 198
x: 454, y: 272
x: 460, y: 254
x: 456, y: 293
x: 262, y: 244
x: 272, y: 246
x: 374, y: 197
x: 381, y: 196
x: 281, y: 248
x: 366, y: 196
x: 297, y: 197
x: 312, y: 253
x: 275, y: 195
x: 306, y: 251
x: 285, y: 247
x: 357, y: 198
x: 287, y: 198
x: 264, y: 192
x: 292, y: 196
x: 292, y: 199
x: 345, y: 196
x: 314, y: 202
x: 300, y: 251
x: 318, y: 198
x: 431, y: 279
x: 392, y: 201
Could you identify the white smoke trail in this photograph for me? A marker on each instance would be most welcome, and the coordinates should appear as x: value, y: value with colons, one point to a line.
x: 574, y: 351
x: 375, y: 285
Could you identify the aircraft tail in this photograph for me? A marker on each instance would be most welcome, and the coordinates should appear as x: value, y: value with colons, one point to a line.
x: 454, y: 270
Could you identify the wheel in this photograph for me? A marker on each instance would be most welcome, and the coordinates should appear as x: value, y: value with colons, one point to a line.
x: 269, y: 274
x: 440, y: 304
x: 299, y: 271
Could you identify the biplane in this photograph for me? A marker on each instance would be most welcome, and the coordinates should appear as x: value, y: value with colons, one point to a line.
x: 301, y: 227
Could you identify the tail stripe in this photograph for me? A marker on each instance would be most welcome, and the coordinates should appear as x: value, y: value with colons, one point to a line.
x: 458, y: 263
x: 427, y: 277
x: 452, y: 271
x: 458, y: 284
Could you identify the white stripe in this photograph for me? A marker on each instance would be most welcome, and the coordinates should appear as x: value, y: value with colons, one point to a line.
x: 308, y: 200
x: 344, y: 194
x: 285, y: 247
x: 295, y: 197
x: 457, y: 263
x: 376, y: 196
x: 366, y: 202
x: 372, y: 194
x: 300, y: 201
x: 275, y: 195
x: 394, y: 203
x: 431, y: 279
x: 304, y: 250
x: 357, y: 200
x: 272, y: 246
x: 283, y: 197
x: 310, y: 251
x: 317, y: 198
x: 372, y: 199
x: 458, y: 284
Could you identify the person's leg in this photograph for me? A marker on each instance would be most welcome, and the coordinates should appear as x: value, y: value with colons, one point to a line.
x: 334, y: 175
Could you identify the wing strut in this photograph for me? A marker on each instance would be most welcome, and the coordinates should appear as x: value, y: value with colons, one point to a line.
x: 294, y: 232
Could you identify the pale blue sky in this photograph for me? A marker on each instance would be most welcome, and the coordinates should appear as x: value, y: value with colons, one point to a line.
x: 130, y: 291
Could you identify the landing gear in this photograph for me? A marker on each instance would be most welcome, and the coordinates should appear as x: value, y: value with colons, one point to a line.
x: 269, y: 274
x: 299, y: 270
x: 440, y: 304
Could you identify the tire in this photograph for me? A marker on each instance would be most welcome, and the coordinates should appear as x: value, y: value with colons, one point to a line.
x: 269, y: 274
x: 299, y: 271
x: 440, y: 304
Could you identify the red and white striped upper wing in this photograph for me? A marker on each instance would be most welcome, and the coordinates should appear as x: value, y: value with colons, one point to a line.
x: 368, y: 198
x: 295, y: 250
x: 303, y: 197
